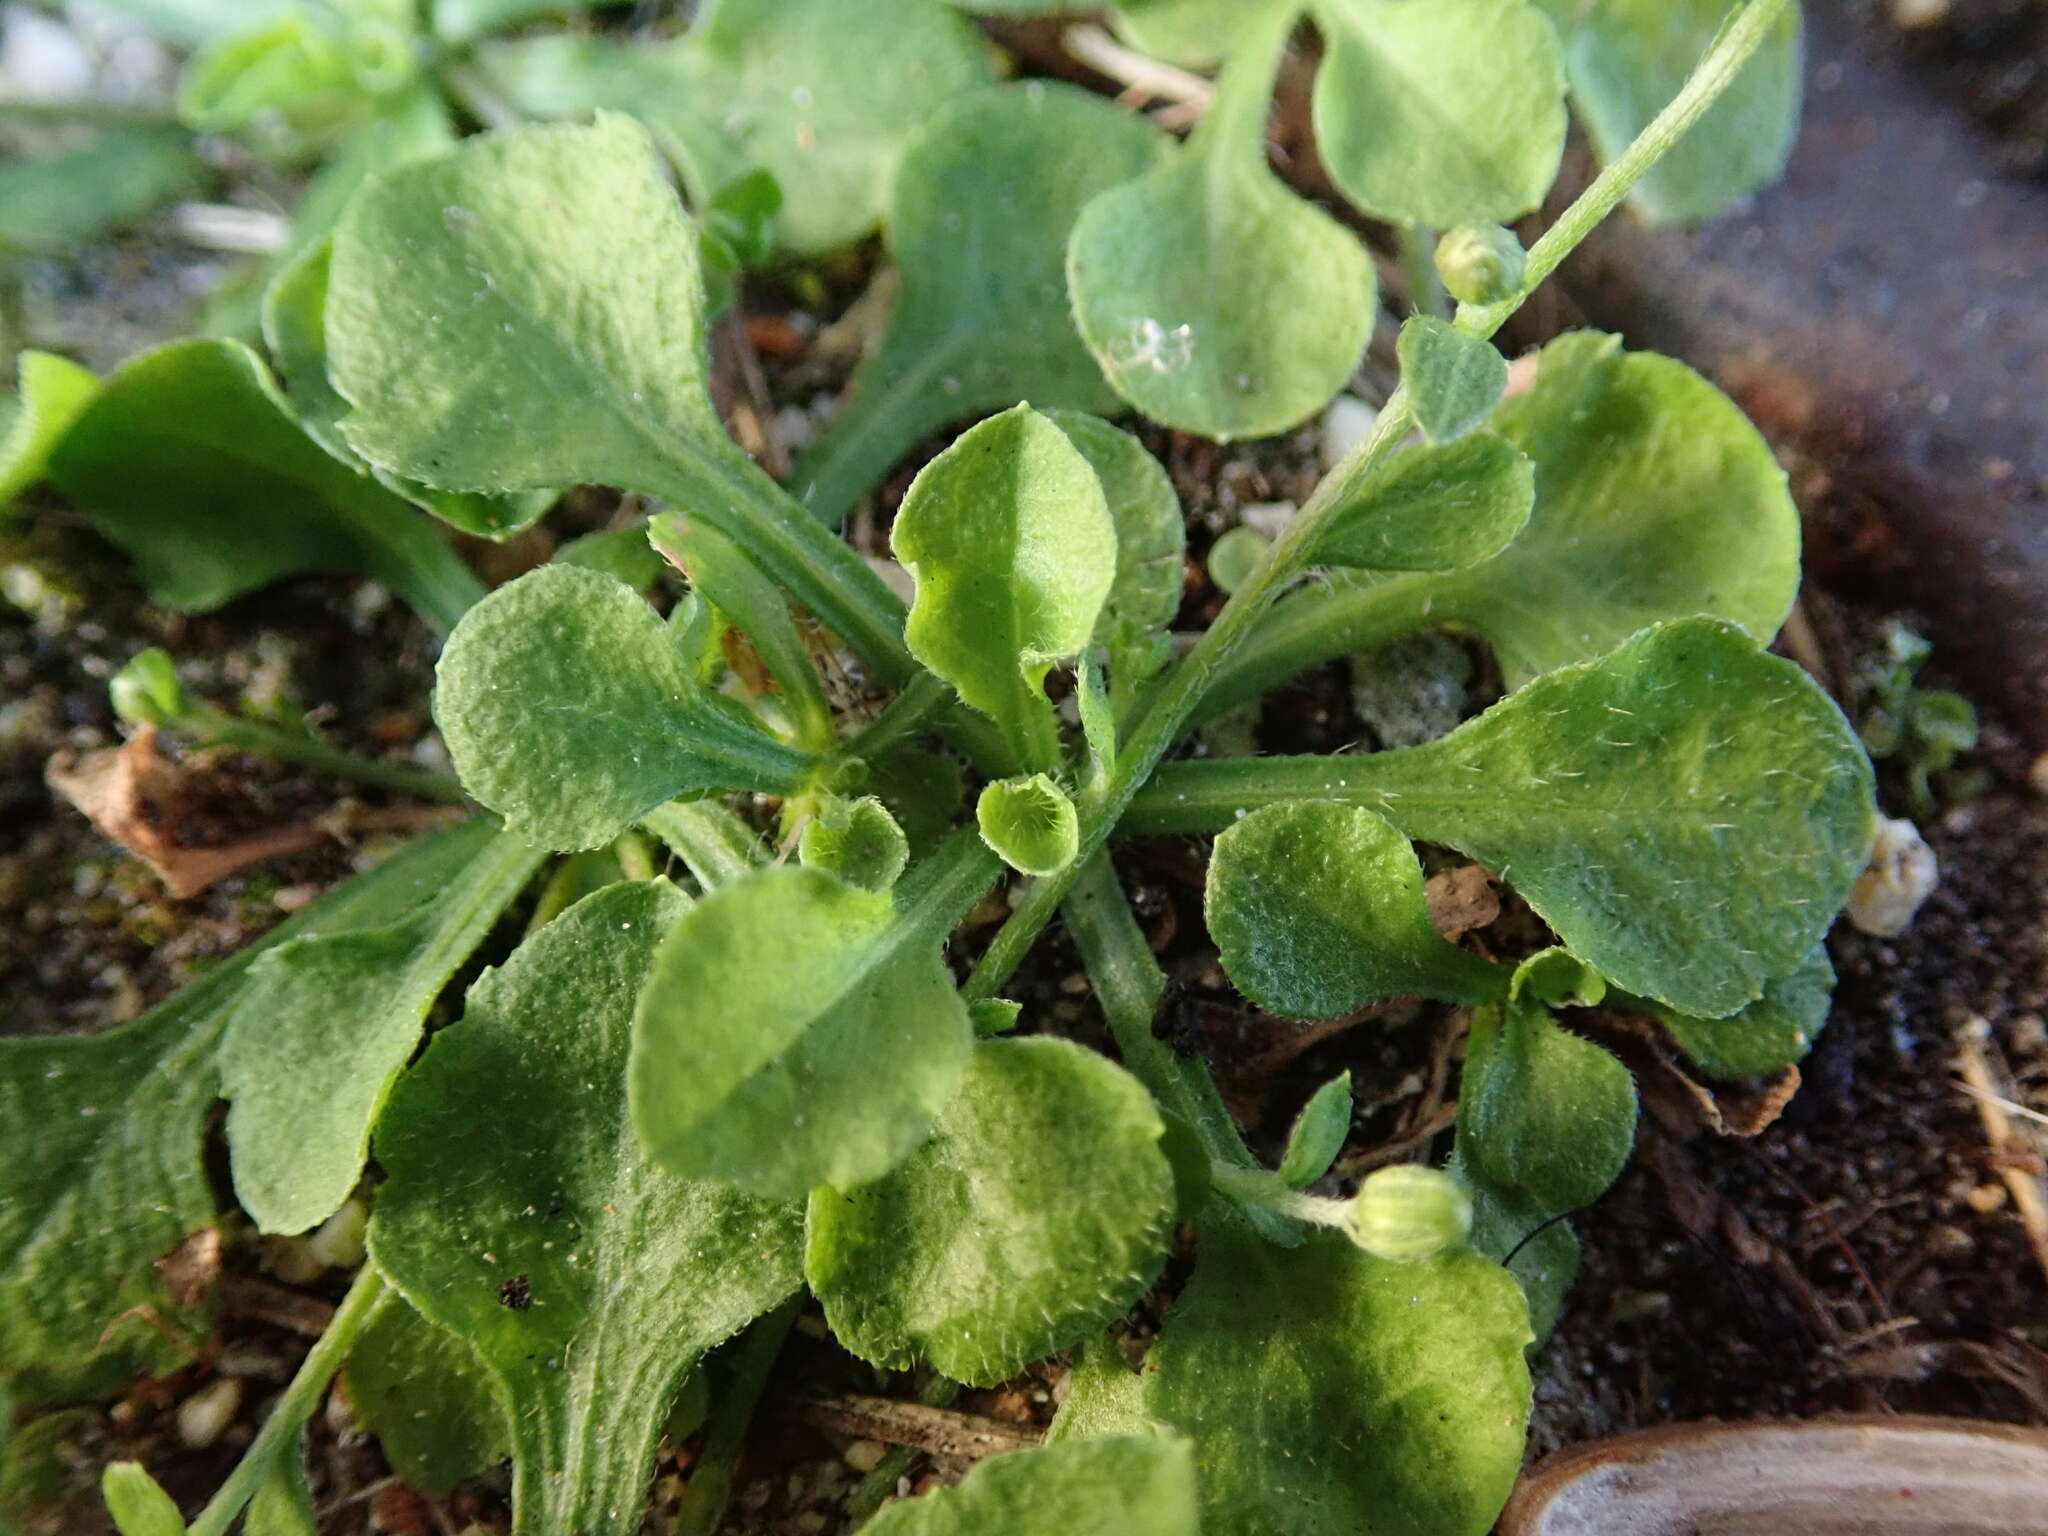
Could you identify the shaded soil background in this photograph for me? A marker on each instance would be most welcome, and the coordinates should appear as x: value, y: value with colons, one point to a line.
x: 1858, y: 1254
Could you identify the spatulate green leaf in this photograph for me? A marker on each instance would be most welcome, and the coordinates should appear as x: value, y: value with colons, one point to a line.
x: 323, y: 1027
x: 1329, y: 1393
x: 52, y: 390
x: 521, y: 1213
x: 1213, y: 298
x: 1687, y: 814
x: 1543, y: 1111
x: 1454, y: 380
x: 1129, y: 1486
x: 482, y: 349
x: 1193, y: 33
x: 422, y: 1391
x: 856, y: 840
x: 798, y: 1031
x: 566, y: 677
x: 1318, y: 910
x: 59, y: 202
x: 1450, y: 112
x: 1010, y: 541
x: 102, y: 1169
x: 1628, y: 58
x: 211, y: 504
x: 1040, y: 1208
x: 1436, y: 507
x: 295, y: 331
x: 978, y: 224
x: 821, y: 95
x: 138, y: 1504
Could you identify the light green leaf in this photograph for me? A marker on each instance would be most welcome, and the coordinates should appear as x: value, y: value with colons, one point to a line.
x: 1329, y: 1393
x: 1770, y: 1034
x: 1445, y: 112
x: 1121, y: 1487
x: 422, y: 1391
x: 1195, y: 34
x: 819, y: 94
x: 713, y: 843
x: 139, y: 1506
x: 295, y: 80
x: 295, y: 331
x: 323, y: 1027
x: 52, y: 392
x: 1010, y: 541
x: 521, y: 1213
x: 1628, y: 58
x: 485, y: 350
x: 282, y: 1504
x: 1655, y: 499
x: 798, y: 1031
x: 1543, y: 1111
x: 1151, y: 544
x: 731, y: 583
x: 458, y: 21
x: 1687, y: 814
x: 1030, y: 823
x: 1318, y: 1134
x: 566, y: 677
x: 1041, y: 1208
x: 1214, y: 299
x: 211, y: 504
x: 1318, y: 910
x: 1454, y: 380
x: 978, y: 224
x: 856, y: 840
x: 102, y: 1140
x: 1105, y: 1397
x: 56, y: 203
x: 1436, y: 507
x: 192, y: 22
x: 993, y: 1016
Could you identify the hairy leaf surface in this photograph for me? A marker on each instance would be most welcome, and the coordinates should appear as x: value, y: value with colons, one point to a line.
x: 1130, y: 1486
x: 1454, y: 380
x: 1329, y: 1393
x: 1040, y: 1208
x: 1435, y: 507
x: 521, y: 1213
x: 1770, y: 1034
x: 422, y: 1391
x: 1687, y: 813
x: 1317, y: 909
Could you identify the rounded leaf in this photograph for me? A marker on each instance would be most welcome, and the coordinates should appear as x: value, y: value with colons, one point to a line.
x: 1544, y: 1111
x: 1041, y: 1208
x: 1030, y: 823
x: 857, y: 840
x: 1435, y: 507
x: 1125, y: 1486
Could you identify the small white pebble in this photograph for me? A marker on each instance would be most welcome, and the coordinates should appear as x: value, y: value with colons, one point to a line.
x: 2037, y: 775
x: 338, y: 1242
x: 205, y: 1416
x: 1915, y: 14
x: 864, y: 1455
x: 1268, y: 517
x: 1345, y: 424
x: 1902, y: 874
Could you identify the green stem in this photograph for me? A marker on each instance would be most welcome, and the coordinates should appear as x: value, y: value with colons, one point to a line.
x: 710, y: 1487
x: 1234, y: 126
x: 280, y: 1432
x: 716, y: 845
x: 875, y: 429
x: 215, y: 727
x: 903, y: 717
x: 1263, y: 1188
x: 1426, y: 294
x: 1181, y: 692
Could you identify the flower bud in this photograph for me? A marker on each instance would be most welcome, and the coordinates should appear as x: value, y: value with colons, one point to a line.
x: 1480, y: 263
x: 147, y: 691
x: 1408, y: 1212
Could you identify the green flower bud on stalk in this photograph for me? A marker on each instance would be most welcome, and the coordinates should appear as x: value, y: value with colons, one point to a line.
x: 1408, y: 1212
x: 147, y: 690
x: 1480, y: 263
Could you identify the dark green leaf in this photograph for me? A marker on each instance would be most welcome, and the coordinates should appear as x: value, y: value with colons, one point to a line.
x: 978, y: 223
x: 1040, y: 1208
x: 215, y: 503
x: 62, y: 201
x: 1770, y: 1034
x: 421, y: 1390
x: 1543, y: 1111
x: 521, y: 1213
x: 322, y: 1028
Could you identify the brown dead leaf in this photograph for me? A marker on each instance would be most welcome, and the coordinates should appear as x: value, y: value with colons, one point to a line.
x: 140, y: 799
x: 1461, y: 900
x: 190, y: 1271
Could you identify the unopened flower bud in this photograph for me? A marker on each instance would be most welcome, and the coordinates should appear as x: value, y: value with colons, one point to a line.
x: 1480, y: 263
x: 1408, y: 1212
x: 147, y: 691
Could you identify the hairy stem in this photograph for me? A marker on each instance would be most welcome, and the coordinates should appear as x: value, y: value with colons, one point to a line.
x: 215, y: 727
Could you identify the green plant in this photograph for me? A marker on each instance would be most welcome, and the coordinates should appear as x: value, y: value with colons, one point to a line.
x: 679, y: 1102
